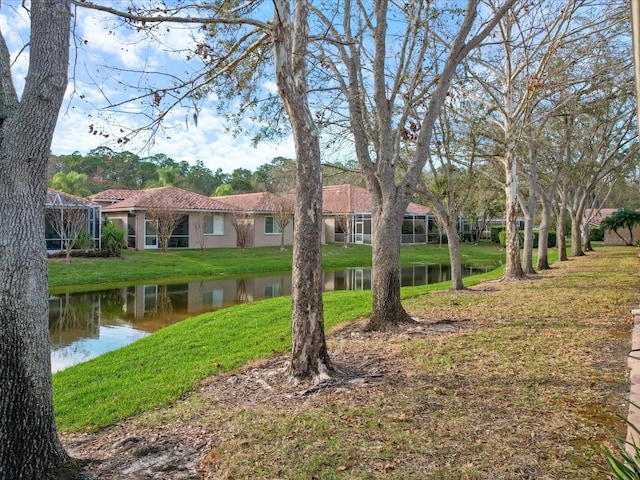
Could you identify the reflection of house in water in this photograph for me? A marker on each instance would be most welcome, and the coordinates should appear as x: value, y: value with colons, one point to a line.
x: 163, y: 303
x: 352, y: 279
x: 73, y: 316
x: 146, y: 308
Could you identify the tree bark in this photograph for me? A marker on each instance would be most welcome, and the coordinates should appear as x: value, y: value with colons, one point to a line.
x: 587, y: 240
x: 561, y: 233
x: 529, y: 206
x: 576, y: 233
x: 388, y: 312
x: 543, y: 234
x: 309, y: 358
x: 527, y: 251
x: 29, y: 446
x: 513, y: 268
x: 454, y: 253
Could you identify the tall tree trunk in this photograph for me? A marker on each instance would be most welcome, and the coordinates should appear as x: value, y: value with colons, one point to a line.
x: 309, y: 358
x: 29, y: 445
x: 527, y: 251
x: 387, y: 312
x: 454, y: 253
x: 576, y: 234
x: 543, y: 234
x: 529, y: 206
x: 513, y: 268
x: 561, y: 229
x: 587, y: 240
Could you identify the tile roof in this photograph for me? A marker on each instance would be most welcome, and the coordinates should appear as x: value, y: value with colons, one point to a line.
x: 349, y: 198
x: 168, y: 197
x: 113, y: 195
x: 336, y: 199
x: 595, y: 217
x: 345, y: 198
x: 56, y: 197
x: 261, y: 202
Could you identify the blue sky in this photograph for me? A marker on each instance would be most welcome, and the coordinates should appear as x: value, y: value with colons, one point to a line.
x: 110, y: 49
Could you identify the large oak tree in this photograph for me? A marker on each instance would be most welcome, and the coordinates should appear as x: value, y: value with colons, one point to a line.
x: 392, y: 66
x: 29, y: 444
x: 238, y: 45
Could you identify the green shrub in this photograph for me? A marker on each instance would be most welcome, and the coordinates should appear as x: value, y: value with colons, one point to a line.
x: 84, y: 241
x: 596, y: 234
x: 495, y: 233
x: 112, y: 239
x: 551, y: 241
x: 627, y: 467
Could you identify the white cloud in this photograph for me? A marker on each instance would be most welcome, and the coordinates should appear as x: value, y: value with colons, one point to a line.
x: 93, y: 83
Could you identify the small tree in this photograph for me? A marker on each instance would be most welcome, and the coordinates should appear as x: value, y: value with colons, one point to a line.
x: 198, y: 228
x: 165, y: 221
x: 283, y: 215
x: 344, y: 222
x: 242, y: 224
x: 68, y: 220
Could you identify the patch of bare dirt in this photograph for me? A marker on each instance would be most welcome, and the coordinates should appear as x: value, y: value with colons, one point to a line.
x: 184, y: 449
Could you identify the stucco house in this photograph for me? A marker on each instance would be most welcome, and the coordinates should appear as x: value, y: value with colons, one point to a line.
x: 209, y: 221
x: 594, y: 219
x: 206, y: 222
x: 61, y: 209
x: 347, y: 211
x: 262, y: 210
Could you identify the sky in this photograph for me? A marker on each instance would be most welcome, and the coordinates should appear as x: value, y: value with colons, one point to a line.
x: 105, y: 57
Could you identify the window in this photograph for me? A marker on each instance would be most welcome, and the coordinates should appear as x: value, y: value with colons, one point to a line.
x: 271, y: 226
x: 214, y: 225
x: 273, y: 290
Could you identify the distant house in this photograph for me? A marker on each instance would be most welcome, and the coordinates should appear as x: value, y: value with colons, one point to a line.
x: 206, y: 222
x: 347, y: 211
x: 62, y: 208
x: 262, y: 210
x: 209, y: 221
x: 594, y: 219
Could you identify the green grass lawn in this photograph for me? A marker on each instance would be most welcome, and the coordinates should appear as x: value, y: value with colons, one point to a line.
x: 159, y: 369
x: 541, y: 362
x: 135, y: 266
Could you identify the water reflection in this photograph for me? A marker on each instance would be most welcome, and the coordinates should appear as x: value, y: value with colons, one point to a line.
x: 85, y: 325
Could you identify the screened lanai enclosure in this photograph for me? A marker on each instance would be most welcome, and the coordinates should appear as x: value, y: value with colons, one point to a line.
x: 71, y: 222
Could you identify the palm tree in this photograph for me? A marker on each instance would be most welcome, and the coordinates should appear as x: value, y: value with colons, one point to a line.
x: 72, y: 182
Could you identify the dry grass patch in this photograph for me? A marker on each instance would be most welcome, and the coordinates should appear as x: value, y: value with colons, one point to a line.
x: 515, y: 380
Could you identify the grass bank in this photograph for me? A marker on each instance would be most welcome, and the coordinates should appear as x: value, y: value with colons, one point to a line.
x: 508, y: 380
x: 136, y: 266
x: 159, y: 369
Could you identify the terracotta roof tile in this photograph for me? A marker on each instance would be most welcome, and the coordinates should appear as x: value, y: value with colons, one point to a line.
x: 169, y: 197
x: 595, y: 217
x: 352, y: 199
x: 261, y: 202
x: 54, y: 197
x: 113, y: 194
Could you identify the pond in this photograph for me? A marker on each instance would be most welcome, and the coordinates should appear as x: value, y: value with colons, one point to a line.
x: 85, y: 325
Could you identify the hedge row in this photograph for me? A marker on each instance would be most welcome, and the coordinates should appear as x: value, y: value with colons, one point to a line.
x: 551, y: 242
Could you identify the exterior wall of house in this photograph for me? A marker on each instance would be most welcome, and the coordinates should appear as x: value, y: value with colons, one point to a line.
x: 197, y: 239
x: 120, y: 219
x: 610, y: 238
x: 262, y: 239
x: 330, y: 229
